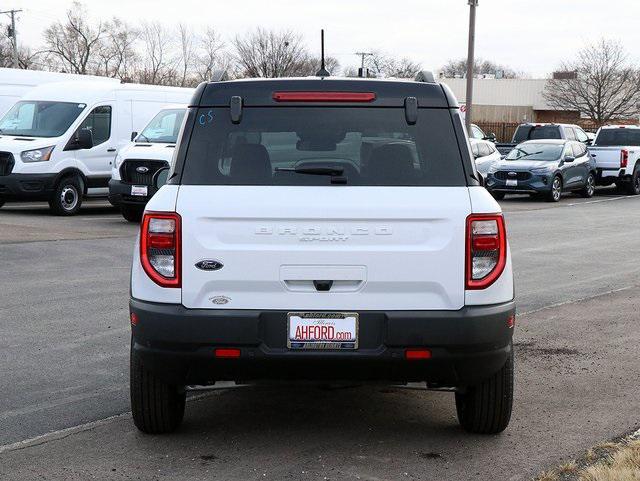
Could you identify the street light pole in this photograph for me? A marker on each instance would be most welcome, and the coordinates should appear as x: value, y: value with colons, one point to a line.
x: 470, y: 61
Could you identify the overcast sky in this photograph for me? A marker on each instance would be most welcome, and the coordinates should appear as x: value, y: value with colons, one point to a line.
x: 528, y: 35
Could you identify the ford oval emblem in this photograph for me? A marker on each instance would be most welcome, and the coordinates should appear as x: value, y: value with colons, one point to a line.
x: 220, y: 300
x: 142, y: 169
x: 512, y: 174
x: 209, y: 265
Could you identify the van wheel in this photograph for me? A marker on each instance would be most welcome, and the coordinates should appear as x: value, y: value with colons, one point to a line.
x: 132, y: 213
x: 498, y: 195
x: 486, y: 407
x: 589, y: 187
x: 555, y: 193
x: 157, y: 407
x: 67, y: 197
x: 633, y: 187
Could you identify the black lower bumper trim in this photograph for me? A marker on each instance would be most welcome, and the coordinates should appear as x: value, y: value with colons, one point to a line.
x: 27, y: 186
x: 466, y: 345
x: 120, y: 193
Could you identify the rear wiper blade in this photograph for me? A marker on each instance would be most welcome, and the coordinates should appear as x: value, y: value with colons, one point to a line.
x: 313, y: 170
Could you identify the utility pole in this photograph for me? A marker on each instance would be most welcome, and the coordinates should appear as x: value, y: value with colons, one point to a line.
x: 470, y: 61
x: 13, y: 35
x: 363, y: 55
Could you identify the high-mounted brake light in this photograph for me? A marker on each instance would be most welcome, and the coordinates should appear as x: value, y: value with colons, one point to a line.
x: 486, y: 251
x: 160, y: 249
x: 324, y: 96
x: 624, y: 158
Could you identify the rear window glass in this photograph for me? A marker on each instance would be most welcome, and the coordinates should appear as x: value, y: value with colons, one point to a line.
x: 530, y: 132
x: 320, y: 146
x: 611, y: 137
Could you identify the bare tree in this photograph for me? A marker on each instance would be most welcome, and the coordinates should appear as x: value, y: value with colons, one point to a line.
x: 380, y: 64
x: 312, y: 64
x: 210, y: 56
x: 266, y: 53
x: 606, y: 85
x: 158, y: 64
x: 403, y: 68
x: 458, y: 68
x: 74, y: 43
x: 117, y: 54
x: 187, y: 55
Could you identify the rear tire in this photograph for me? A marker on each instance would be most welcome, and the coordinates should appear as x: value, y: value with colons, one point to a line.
x: 157, y: 407
x: 67, y: 197
x: 555, y: 194
x: 589, y: 187
x: 486, y: 407
x: 132, y: 213
x: 498, y: 195
x: 633, y: 187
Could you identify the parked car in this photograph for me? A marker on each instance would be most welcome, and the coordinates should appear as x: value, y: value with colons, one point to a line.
x: 537, y: 131
x: 478, y: 133
x: 546, y: 167
x: 59, y: 142
x: 484, y: 154
x: 616, y: 151
x: 131, y: 184
x: 307, y: 250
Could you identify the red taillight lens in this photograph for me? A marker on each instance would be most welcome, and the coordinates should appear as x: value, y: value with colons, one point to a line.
x: 227, y: 353
x: 160, y: 248
x: 417, y: 354
x: 486, y: 252
x: 324, y: 96
x: 624, y: 158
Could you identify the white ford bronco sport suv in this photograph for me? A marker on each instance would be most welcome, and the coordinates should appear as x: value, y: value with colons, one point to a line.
x: 322, y: 229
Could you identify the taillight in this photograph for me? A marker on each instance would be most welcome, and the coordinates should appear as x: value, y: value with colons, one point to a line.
x: 160, y: 248
x: 324, y: 96
x: 624, y: 158
x: 486, y: 251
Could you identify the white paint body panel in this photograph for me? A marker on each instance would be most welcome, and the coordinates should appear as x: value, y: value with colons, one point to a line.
x: 390, y: 248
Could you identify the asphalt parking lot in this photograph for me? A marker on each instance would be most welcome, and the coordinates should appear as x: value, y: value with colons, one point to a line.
x: 65, y: 340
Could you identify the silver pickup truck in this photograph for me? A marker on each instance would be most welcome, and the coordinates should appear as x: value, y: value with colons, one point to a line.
x: 616, y: 151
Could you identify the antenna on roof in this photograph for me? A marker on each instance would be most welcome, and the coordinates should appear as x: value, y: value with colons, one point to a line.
x: 323, y: 72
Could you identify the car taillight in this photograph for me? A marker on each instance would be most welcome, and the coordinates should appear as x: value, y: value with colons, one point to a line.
x: 160, y: 248
x: 624, y: 158
x: 298, y: 96
x: 486, y: 250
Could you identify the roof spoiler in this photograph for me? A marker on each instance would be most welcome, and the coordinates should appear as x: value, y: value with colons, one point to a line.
x: 425, y: 76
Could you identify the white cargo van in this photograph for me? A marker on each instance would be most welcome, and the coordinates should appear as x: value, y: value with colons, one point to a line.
x: 131, y: 184
x: 59, y: 142
x: 15, y: 82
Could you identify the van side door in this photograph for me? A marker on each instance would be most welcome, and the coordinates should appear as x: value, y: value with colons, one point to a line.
x: 96, y: 162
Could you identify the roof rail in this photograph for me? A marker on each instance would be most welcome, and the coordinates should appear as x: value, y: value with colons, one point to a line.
x: 425, y: 76
x: 219, y: 76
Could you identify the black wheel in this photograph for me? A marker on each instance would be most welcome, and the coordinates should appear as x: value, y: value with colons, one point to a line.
x: 486, y: 407
x: 633, y: 187
x: 157, y: 407
x: 132, y: 213
x: 555, y: 193
x: 67, y: 197
x: 498, y: 195
x: 589, y: 187
x: 2, y: 201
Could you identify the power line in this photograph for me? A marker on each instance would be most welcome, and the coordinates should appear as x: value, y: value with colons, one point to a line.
x: 13, y: 35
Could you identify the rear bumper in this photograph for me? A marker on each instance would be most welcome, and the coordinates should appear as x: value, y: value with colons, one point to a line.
x: 120, y: 193
x: 466, y: 345
x: 27, y: 186
x: 609, y: 176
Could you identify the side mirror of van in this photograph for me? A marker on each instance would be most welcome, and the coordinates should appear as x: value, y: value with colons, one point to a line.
x: 83, y: 139
x: 160, y: 177
x: 491, y: 137
x: 133, y: 136
x: 569, y: 158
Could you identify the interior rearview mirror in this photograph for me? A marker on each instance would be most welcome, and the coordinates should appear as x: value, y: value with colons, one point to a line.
x: 133, y: 136
x: 160, y: 177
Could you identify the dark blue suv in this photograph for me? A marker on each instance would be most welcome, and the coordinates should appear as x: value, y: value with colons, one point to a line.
x: 544, y: 167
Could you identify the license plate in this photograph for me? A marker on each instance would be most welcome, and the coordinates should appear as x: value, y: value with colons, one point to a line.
x: 322, y: 330
x: 512, y: 183
x: 139, y: 190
